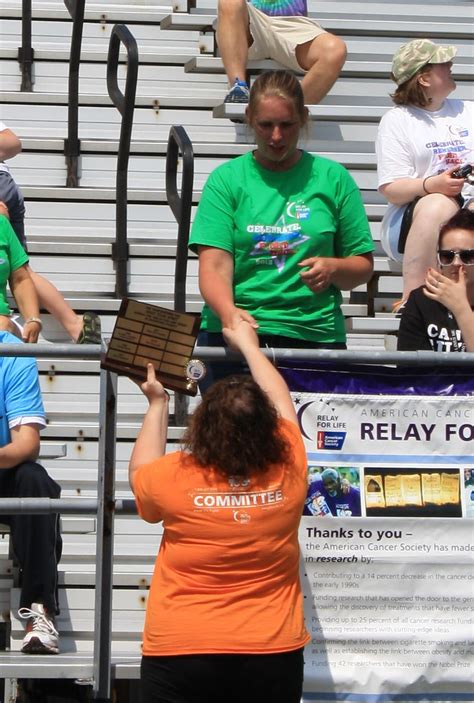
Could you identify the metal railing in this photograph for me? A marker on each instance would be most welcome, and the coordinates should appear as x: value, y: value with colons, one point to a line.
x: 125, y: 104
x: 180, y: 204
x: 72, y: 145
x: 104, y: 507
x: 26, y: 52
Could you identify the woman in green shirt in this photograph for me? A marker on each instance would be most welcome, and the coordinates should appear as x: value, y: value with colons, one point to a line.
x: 280, y: 232
x: 13, y: 270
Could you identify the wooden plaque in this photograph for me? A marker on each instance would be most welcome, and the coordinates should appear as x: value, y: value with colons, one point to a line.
x: 146, y: 333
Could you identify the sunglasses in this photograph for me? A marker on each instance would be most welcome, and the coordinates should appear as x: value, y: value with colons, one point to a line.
x: 446, y: 256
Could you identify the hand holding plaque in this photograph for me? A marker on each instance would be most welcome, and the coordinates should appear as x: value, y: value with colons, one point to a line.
x: 145, y: 333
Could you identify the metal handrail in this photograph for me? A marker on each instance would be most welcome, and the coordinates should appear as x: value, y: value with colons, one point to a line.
x: 104, y: 507
x: 26, y: 53
x: 180, y: 204
x: 105, y: 539
x: 72, y: 145
x: 125, y: 104
x: 429, y: 359
x: 67, y: 506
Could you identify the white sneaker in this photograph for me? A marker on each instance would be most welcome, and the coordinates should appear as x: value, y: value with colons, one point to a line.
x: 41, y: 634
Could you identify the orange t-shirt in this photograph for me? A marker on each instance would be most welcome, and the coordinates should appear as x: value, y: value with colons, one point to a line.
x: 226, y: 578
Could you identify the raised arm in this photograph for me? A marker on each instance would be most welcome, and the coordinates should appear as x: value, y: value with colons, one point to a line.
x: 216, y: 271
x: 151, y: 441
x: 453, y: 295
x: 243, y: 338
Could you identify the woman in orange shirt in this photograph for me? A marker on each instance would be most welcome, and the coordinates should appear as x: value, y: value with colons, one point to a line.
x: 224, y: 617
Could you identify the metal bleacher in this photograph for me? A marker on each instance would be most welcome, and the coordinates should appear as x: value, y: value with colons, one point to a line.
x: 71, y: 231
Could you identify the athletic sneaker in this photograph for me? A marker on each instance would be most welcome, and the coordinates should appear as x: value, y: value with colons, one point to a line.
x: 239, y: 93
x: 41, y: 634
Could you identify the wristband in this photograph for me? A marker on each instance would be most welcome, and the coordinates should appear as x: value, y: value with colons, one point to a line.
x: 34, y: 319
x: 427, y: 192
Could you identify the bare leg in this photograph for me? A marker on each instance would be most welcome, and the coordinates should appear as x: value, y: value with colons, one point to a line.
x: 51, y: 299
x: 420, y: 249
x: 322, y: 58
x: 233, y: 37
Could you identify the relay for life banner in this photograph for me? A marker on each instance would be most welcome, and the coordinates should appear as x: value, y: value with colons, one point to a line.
x: 387, y: 533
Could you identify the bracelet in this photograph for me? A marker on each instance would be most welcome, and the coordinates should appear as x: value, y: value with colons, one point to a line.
x: 34, y: 319
x: 424, y: 187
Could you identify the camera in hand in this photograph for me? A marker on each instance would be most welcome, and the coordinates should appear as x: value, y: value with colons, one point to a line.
x: 462, y: 172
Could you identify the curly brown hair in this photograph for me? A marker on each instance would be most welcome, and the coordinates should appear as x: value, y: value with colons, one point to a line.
x: 235, y: 429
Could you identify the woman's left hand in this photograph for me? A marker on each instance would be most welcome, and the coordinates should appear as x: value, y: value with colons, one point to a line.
x: 452, y: 293
x: 319, y: 273
x: 31, y: 330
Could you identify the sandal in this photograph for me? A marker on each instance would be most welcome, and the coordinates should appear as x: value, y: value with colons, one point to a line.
x: 91, y: 328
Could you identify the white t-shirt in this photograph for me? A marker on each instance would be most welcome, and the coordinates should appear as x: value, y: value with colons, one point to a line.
x: 415, y: 143
x: 3, y: 166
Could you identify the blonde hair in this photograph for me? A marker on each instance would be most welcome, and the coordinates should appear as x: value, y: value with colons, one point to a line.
x: 282, y: 84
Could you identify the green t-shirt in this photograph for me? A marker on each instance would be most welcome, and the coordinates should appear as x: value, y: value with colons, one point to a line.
x: 269, y: 221
x: 12, y: 256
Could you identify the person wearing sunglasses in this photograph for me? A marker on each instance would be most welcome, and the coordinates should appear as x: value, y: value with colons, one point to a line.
x: 439, y: 315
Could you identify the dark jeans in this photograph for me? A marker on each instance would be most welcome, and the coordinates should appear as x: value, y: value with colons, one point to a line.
x: 217, y: 370
x: 36, y: 539
x: 215, y: 678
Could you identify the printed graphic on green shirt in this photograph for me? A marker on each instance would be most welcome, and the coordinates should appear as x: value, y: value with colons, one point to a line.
x: 275, y: 243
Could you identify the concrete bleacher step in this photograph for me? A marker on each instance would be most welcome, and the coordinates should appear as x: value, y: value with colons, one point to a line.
x: 381, y: 323
x: 350, y: 154
x: 146, y: 174
x: 61, y: 52
x: 77, y: 666
x: 152, y: 41
x: 367, y: 65
x: 342, y: 25
x: 105, y: 12
x: 375, y: 204
x: 158, y: 86
x: 337, y: 123
x: 151, y: 232
x: 400, y: 9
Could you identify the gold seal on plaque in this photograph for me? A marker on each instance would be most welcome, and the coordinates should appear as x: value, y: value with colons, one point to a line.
x: 195, y: 369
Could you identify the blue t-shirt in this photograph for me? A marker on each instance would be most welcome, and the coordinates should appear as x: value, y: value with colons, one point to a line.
x: 282, y: 8
x: 20, y: 394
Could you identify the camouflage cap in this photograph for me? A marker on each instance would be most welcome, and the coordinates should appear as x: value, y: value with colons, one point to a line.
x: 417, y: 53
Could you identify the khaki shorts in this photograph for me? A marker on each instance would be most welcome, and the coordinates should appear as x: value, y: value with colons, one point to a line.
x: 277, y: 37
